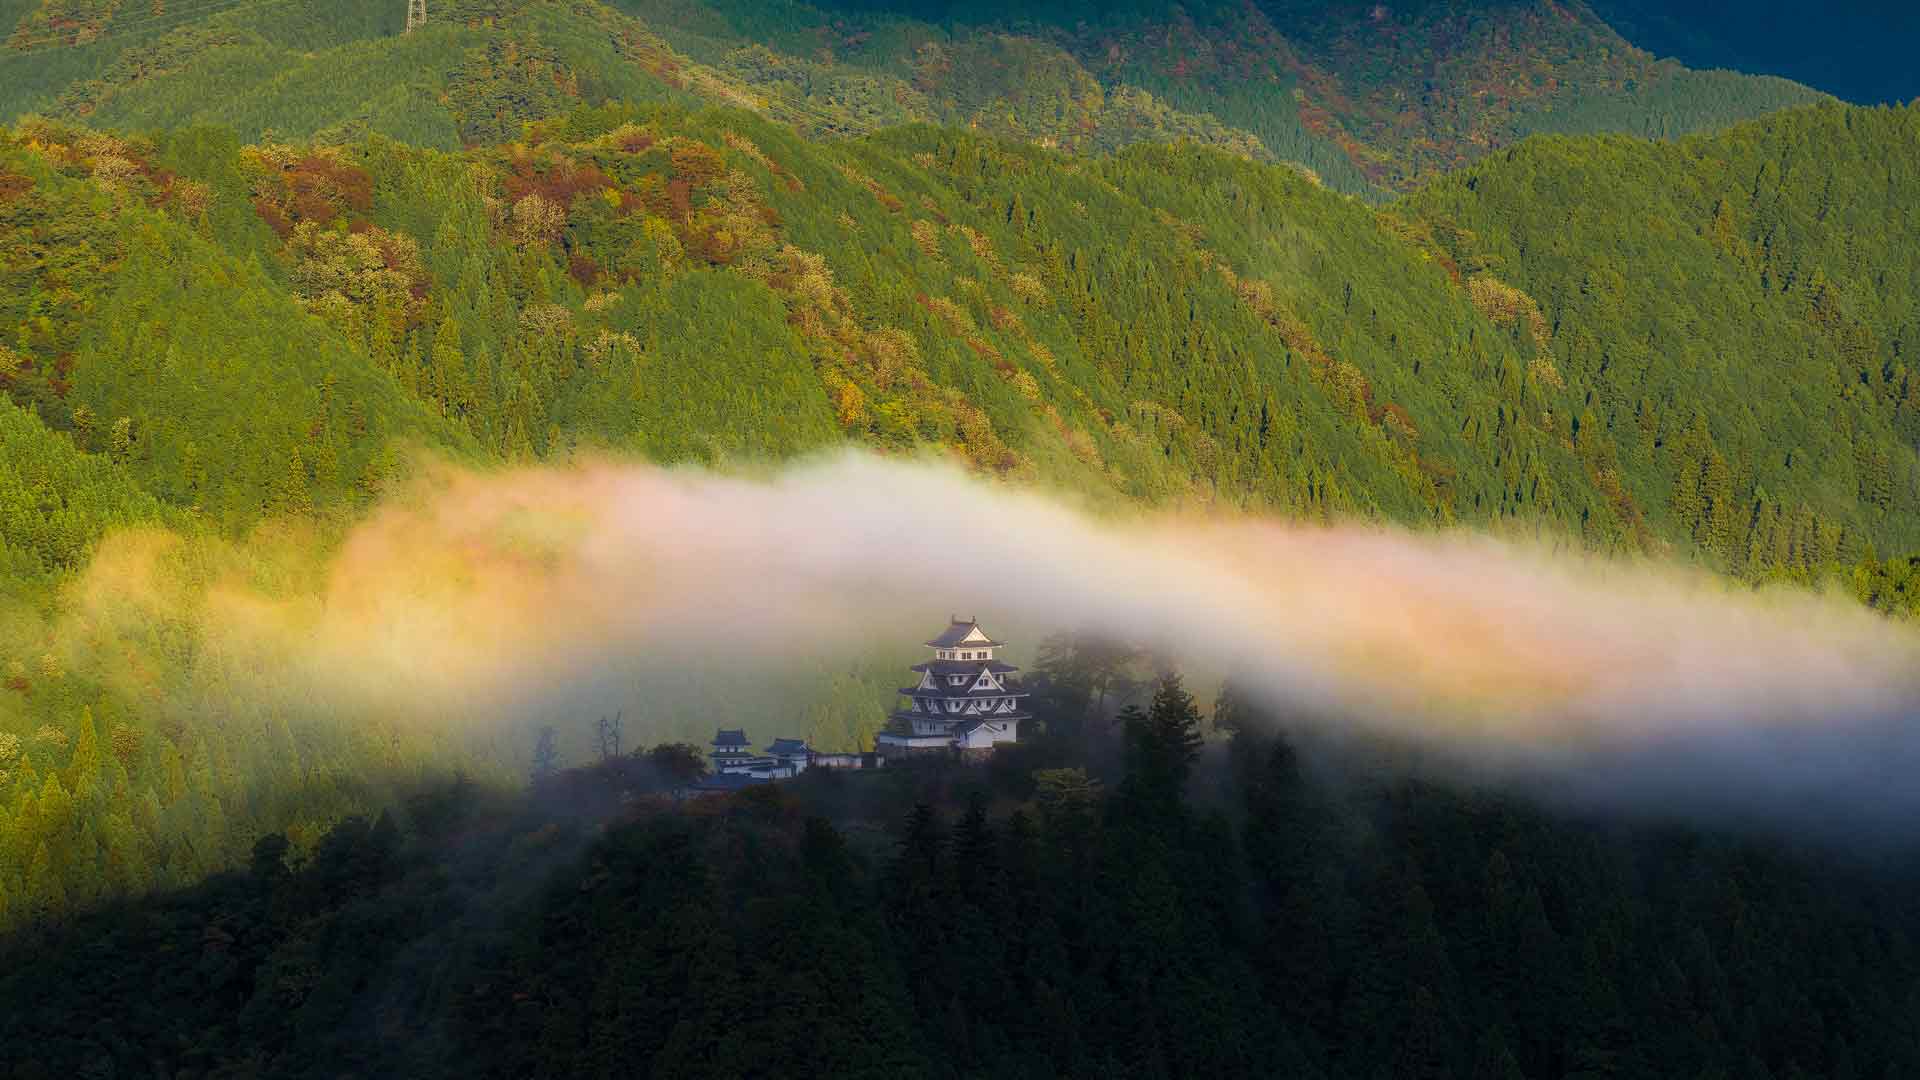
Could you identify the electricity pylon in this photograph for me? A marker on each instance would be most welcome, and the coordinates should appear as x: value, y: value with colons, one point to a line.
x: 416, y: 14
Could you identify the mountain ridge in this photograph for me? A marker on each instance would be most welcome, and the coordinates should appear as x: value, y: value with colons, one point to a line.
x: 1369, y: 103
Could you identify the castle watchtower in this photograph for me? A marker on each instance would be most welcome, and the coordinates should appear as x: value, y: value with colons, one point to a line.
x: 731, y: 753
x: 791, y: 755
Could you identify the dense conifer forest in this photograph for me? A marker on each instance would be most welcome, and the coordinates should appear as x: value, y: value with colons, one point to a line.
x: 1481, y: 265
x: 1082, y: 909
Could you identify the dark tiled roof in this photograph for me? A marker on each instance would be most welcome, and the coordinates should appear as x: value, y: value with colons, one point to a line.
x: 730, y: 737
x: 788, y: 746
x: 957, y: 632
x: 963, y: 667
x: 962, y: 692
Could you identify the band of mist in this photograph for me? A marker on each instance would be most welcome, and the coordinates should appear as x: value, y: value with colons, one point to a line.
x: 498, y: 594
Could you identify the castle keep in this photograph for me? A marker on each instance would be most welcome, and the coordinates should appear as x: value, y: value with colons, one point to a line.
x: 965, y: 700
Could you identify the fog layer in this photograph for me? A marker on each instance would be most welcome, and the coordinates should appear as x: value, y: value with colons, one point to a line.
x: 494, y: 594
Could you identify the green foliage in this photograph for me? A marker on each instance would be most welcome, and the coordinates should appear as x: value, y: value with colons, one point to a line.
x: 1365, y: 104
x: 1162, y: 743
x: 244, y: 334
x: 1783, y: 438
x: 55, y: 502
x: 1366, y: 96
x: 520, y: 233
x: 1679, y: 102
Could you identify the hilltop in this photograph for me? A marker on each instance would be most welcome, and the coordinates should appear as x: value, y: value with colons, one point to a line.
x: 1370, y: 97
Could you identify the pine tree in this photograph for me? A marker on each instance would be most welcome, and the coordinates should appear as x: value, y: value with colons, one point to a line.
x: 975, y: 855
x: 1423, y: 1049
x: 55, y: 812
x: 447, y: 378
x: 84, y: 765
x: 1161, y: 746
x: 173, y: 774
x: 1493, y: 1060
x: 45, y: 896
x: 290, y: 493
x: 126, y: 865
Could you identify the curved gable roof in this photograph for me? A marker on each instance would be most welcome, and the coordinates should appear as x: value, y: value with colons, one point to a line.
x: 962, y: 632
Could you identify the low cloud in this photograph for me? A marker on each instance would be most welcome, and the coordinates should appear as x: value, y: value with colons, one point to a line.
x: 494, y: 595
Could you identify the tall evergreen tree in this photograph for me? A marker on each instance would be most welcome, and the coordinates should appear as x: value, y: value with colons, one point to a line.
x: 1162, y: 745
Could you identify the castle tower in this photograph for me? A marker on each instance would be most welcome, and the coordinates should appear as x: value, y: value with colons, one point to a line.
x: 730, y: 751
x: 966, y: 700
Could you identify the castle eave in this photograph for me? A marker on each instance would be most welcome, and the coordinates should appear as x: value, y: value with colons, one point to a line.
x: 963, y: 667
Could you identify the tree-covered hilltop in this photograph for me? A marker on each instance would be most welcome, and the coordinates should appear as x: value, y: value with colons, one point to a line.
x: 1369, y: 97
x: 1074, y: 909
x: 204, y: 335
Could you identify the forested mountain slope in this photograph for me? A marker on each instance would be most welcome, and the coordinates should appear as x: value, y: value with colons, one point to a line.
x: 205, y: 336
x: 1169, y: 324
x: 1751, y: 335
x: 1370, y: 97
x: 522, y: 234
